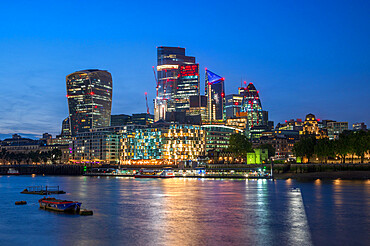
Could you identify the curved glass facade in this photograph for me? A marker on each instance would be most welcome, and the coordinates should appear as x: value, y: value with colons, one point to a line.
x: 252, y: 106
x: 89, y: 94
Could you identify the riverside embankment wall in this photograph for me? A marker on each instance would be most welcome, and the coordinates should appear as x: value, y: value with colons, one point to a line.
x: 277, y: 168
x: 44, y: 169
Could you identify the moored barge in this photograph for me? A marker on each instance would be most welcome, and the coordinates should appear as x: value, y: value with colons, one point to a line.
x: 54, y: 204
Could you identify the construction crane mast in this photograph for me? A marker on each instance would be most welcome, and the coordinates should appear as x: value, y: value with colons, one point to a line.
x: 146, y: 100
x: 156, y: 80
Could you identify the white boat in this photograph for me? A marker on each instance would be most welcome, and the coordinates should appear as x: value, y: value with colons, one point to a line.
x: 146, y: 173
x: 12, y: 171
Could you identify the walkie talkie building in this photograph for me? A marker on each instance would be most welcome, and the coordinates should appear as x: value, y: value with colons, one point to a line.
x: 89, y: 94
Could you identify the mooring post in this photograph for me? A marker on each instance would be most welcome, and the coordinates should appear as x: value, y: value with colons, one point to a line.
x: 272, y: 164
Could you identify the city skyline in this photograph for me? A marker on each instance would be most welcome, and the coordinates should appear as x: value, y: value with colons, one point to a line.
x: 309, y: 74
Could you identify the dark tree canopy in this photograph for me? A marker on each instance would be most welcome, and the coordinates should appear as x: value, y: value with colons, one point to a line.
x: 239, y: 144
x: 269, y: 147
x: 349, y: 143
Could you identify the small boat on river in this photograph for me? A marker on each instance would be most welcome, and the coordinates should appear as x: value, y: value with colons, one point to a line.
x: 54, y: 204
x: 167, y: 173
x: 12, y: 171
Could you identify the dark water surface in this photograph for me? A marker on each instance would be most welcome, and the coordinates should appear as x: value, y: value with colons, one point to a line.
x: 177, y: 211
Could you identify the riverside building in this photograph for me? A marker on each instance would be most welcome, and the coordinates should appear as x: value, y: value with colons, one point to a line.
x: 163, y: 145
x: 218, y: 136
x: 96, y: 147
x: 89, y: 94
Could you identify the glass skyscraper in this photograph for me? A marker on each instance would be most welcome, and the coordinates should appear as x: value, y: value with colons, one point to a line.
x: 215, y: 92
x: 89, y: 94
x: 178, y: 79
x: 252, y: 106
x: 187, y: 86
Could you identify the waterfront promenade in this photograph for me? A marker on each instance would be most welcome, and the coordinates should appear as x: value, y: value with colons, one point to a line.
x: 280, y: 171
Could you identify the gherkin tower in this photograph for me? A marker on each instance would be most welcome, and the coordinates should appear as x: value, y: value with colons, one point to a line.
x: 252, y: 106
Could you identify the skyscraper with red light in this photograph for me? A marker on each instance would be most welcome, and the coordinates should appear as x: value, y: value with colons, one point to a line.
x: 215, y: 92
x: 233, y: 105
x: 252, y: 106
x: 89, y: 94
x: 178, y: 79
x: 187, y: 86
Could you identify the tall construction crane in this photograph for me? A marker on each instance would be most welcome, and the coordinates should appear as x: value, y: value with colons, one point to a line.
x: 156, y: 80
x: 146, y: 100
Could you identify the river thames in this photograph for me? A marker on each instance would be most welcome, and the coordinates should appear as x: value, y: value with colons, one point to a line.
x: 181, y: 211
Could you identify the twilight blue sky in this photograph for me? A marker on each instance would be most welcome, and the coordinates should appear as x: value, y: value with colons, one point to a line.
x: 303, y: 56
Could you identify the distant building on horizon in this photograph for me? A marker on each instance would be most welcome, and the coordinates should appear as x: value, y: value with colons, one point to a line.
x: 89, y: 94
x: 120, y: 119
x: 134, y: 119
x: 335, y: 129
x: 359, y: 126
x: 291, y: 125
x: 142, y: 119
x: 313, y: 126
x: 66, y: 127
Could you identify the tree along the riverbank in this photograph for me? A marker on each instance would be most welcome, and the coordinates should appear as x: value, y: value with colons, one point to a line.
x: 269, y: 147
x: 349, y: 143
x: 54, y: 156
x: 239, y: 145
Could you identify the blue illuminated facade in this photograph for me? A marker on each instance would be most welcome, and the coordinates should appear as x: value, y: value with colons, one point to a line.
x: 164, y: 144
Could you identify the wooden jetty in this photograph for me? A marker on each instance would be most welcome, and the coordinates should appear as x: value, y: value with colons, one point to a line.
x: 43, y: 190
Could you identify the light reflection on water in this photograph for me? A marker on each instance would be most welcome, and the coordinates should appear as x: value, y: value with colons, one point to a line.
x: 184, y: 211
